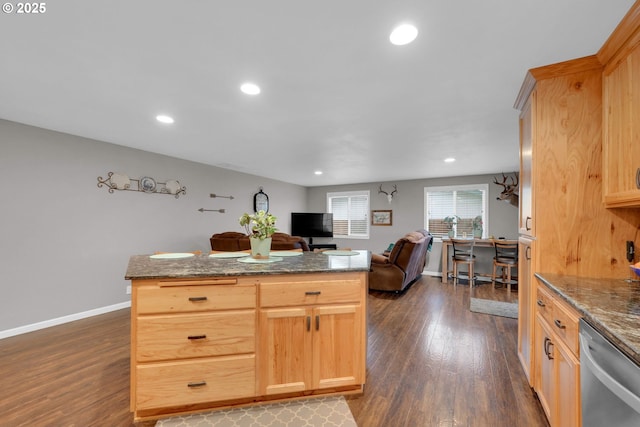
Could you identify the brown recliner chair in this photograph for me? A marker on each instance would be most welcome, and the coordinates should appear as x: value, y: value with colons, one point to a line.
x: 404, y: 264
x: 231, y: 241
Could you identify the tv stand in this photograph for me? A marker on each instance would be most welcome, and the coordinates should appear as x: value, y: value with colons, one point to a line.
x: 322, y: 246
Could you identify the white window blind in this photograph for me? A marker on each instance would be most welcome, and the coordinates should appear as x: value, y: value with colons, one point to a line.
x: 350, y: 213
x: 466, y: 202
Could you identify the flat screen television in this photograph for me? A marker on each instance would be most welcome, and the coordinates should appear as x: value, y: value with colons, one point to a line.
x: 311, y: 224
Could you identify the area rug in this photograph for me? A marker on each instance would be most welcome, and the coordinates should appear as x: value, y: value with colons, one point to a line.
x: 315, y: 412
x: 496, y: 308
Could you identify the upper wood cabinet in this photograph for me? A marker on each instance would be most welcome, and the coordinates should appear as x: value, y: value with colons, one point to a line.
x: 621, y: 144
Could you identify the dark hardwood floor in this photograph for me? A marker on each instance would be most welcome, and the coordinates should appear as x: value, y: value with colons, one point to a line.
x: 431, y: 362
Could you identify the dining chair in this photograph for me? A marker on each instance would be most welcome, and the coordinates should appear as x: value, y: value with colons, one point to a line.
x: 463, y: 254
x: 506, y: 258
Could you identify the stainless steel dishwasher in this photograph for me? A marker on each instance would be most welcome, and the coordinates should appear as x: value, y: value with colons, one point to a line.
x: 609, y: 382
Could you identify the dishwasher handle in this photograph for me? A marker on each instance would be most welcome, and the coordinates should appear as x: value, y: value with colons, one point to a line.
x: 586, y: 358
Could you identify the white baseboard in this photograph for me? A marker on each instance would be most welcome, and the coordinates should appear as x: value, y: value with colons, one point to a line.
x: 64, y: 319
x: 431, y: 273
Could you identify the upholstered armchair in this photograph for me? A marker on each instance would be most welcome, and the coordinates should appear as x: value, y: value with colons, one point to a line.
x: 404, y: 264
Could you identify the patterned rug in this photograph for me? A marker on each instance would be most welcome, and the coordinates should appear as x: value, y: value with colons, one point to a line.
x: 496, y: 308
x: 316, y: 412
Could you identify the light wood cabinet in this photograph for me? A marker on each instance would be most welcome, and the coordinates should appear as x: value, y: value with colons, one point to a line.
x: 313, y: 338
x: 198, y: 344
x: 526, y: 313
x: 557, y: 373
x: 621, y: 145
x: 192, y: 342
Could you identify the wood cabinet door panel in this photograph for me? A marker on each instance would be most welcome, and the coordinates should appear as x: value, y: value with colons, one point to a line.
x: 526, y: 312
x: 164, y: 337
x: 337, y: 346
x: 285, y: 343
x: 187, y: 382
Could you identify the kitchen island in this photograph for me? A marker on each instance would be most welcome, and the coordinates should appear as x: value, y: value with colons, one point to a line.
x: 209, y: 331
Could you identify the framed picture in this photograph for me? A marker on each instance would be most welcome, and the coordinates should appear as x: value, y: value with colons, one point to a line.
x: 381, y: 217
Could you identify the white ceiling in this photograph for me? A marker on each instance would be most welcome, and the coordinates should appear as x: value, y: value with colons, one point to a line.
x: 336, y: 95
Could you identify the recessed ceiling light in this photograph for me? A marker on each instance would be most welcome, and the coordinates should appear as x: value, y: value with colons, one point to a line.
x: 449, y: 160
x: 250, y: 88
x: 403, y: 34
x: 318, y: 172
x: 164, y: 119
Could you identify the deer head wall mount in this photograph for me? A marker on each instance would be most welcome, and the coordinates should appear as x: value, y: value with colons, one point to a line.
x: 389, y: 195
x: 510, y: 192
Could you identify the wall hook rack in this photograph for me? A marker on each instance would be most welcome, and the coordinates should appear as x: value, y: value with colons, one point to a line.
x: 211, y: 210
x: 146, y: 184
x: 213, y: 196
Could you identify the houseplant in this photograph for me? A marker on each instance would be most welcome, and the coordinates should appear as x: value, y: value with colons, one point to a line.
x: 259, y: 226
x: 477, y: 226
x: 450, y: 221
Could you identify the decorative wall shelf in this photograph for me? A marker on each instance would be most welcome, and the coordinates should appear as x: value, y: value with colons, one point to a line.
x: 146, y: 184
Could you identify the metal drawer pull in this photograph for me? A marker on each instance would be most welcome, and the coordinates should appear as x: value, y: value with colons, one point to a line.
x: 317, y: 323
x: 312, y: 293
x: 526, y: 223
x: 197, y: 337
x: 547, y: 348
x: 559, y: 324
x: 541, y: 303
x: 198, y: 384
x: 638, y: 178
x: 196, y: 299
x: 308, y: 323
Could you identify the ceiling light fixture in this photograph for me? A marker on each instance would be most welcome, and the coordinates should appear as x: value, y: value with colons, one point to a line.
x: 318, y: 172
x: 250, y: 88
x: 403, y: 34
x: 449, y: 160
x: 164, y: 119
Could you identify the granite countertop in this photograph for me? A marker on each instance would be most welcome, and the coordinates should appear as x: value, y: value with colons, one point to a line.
x: 144, y: 267
x: 612, y: 306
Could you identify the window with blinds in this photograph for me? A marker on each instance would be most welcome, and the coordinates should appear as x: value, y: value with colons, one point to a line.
x: 350, y: 211
x: 462, y: 202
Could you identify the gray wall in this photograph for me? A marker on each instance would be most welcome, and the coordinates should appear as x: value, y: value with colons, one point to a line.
x: 408, y: 215
x: 65, y: 243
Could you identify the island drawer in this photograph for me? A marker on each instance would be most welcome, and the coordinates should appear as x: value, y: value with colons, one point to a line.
x: 154, y: 298
x: 178, y: 336
x: 190, y: 382
x: 295, y: 293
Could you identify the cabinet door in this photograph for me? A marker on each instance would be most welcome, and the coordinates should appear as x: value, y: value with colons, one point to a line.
x: 568, y: 398
x: 527, y: 130
x: 621, y: 160
x: 544, y: 367
x: 337, y: 346
x: 525, y: 306
x: 285, y: 358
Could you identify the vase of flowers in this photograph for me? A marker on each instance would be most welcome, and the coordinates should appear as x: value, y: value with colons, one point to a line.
x: 477, y: 227
x: 259, y: 226
x: 450, y: 221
